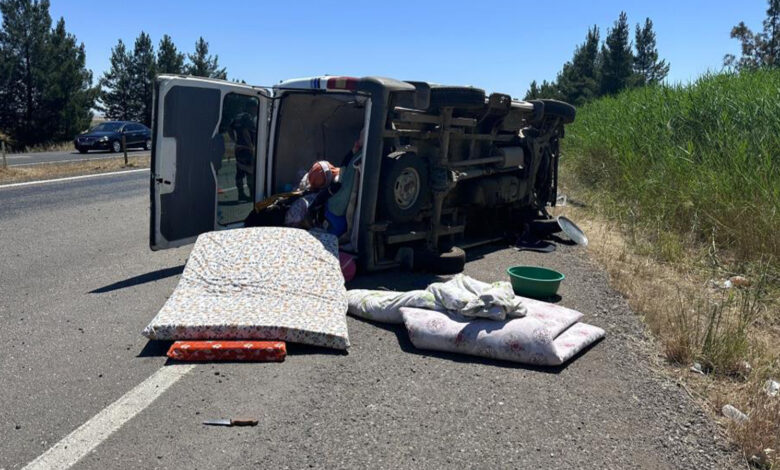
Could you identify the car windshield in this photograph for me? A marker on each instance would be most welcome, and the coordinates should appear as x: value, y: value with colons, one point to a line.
x: 107, y: 127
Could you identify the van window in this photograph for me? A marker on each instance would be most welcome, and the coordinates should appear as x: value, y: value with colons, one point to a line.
x: 236, y: 174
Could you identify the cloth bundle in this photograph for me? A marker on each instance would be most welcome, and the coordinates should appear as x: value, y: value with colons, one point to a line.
x: 468, y: 316
x: 461, y: 295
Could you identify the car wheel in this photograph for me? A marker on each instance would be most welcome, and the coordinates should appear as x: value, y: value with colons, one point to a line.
x: 147, y: 144
x: 404, y: 186
x: 556, y: 108
x: 448, y: 262
x: 116, y: 146
x: 81, y: 150
x: 456, y: 97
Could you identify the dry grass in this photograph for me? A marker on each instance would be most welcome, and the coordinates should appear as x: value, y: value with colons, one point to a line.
x: 65, y: 146
x: 733, y: 333
x: 17, y: 174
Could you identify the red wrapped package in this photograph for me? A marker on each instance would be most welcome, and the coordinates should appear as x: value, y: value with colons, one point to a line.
x: 250, y: 351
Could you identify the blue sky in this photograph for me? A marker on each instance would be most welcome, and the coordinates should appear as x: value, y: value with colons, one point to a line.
x: 500, y: 46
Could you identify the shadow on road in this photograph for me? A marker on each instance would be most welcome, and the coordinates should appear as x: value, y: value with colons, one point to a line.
x: 141, y: 279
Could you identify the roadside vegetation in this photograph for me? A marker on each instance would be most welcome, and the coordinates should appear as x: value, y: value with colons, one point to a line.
x: 20, y: 174
x: 682, y: 187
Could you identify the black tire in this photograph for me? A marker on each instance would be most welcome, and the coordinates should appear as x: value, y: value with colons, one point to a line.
x: 147, y: 144
x: 449, y: 262
x: 399, y: 200
x: 456, y: 97
x: 556, y: 108
x: 116, y: 146
x: 81, y: 150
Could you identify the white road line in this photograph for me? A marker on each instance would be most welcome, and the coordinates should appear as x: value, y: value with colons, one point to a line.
x: 71, y: 178
x: 89, y: 435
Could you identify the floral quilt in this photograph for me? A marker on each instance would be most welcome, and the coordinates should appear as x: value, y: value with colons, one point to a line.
x: 538, y: 338
x: 269, y: 283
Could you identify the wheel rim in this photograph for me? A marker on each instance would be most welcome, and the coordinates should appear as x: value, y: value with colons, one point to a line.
x: 117, y: 147
x: 407, y: 188
x: 148, y: 143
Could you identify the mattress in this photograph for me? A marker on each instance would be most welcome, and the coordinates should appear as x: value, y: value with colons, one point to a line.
x: 262, y: 283
x: 539, y: 338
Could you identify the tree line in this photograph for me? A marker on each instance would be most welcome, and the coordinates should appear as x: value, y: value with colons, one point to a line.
x: 758, y: 50
x: 126, y: 88
x: 605, y: 68
x: 46, y: 92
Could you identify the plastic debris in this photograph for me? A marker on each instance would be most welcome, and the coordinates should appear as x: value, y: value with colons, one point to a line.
x: 734, y: 414
x: 772, y: 387
x: 739, y: 281
x: 696, y: 367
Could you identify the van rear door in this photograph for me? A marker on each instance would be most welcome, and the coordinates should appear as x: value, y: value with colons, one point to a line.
x: 208, y: 156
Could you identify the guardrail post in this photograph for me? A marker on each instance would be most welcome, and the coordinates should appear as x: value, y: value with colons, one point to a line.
x: 124, y: 147
x: 5, y: 163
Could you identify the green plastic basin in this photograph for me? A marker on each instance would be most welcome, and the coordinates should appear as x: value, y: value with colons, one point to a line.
x: 535, y: 281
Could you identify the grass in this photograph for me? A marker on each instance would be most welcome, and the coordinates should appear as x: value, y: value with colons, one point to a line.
x: 50, y: 147
x: 18, y: 174
x: 699, y: 161
x: 682, y: 186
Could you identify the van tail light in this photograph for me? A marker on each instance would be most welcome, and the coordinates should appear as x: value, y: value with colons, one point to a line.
x: 342, y: 83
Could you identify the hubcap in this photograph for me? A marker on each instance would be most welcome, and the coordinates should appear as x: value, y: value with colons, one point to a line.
x: 117, y: 147
x: 148, y: 143
x: 407, y: 188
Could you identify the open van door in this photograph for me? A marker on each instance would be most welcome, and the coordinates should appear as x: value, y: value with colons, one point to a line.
x: 208, y: 156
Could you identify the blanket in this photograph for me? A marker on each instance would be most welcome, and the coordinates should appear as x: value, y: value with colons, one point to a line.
x: 461, y: 295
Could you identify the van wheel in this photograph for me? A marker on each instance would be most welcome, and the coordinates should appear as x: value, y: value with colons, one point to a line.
x: 404, y: 184
x: 556, y: 108
x: 448, y: 262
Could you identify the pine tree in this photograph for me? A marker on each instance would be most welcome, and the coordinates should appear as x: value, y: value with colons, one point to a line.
x: 169, y: 59
x: 24, y: 47
x: 533, y: 91
x: 45, y: 89
x: 617, y: 59
x: 646, y: 65
x: 202, y: 64
x: 116, y: 85
x: 758, y: 49
x: 69, y: 95
x: 142, y: 72
x: 578, y: 82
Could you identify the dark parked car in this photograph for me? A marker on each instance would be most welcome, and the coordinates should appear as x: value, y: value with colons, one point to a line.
x: 108, y: 136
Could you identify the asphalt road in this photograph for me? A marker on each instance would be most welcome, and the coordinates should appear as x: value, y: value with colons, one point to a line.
x: 78, y: 283
x: 34, y: 158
